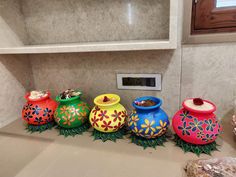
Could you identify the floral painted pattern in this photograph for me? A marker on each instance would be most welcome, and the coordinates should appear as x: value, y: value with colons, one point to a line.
x: 103, y: 115
x: 154, y: 135
x: 185, y: 129
x: 148, y: 125
x: 64, y: 109
x: 28, y: 115
x: 196, y: 125
x: 96, y: 109
x: 68, y: 119
x: 71, y: 115
x: 94, y: 121
x: 38, y: 120
x: 74, y: 111
x: 106, y: 125
x: 124, y: 114
x: 82, y: 116
x: 28, y: 107
x: 36, y: 110
x: 133, y: 120
x: 147, y: 128
x: 200, y: 135
x: 137, y: 131
x: 117, y: 116
x: 208, y: 137
x: 84, y: 106
x: 210, y: 125
x: 185, y: 115
x: 195, y: 128
x: 118, y: 126
x: 162, y: 127
x: 47, y: 112
x: 39, y: 113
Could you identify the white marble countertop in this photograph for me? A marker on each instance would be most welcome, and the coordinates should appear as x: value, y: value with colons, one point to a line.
x: 47, y: 154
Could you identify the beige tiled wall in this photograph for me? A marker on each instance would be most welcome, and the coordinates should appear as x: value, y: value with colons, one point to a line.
x: 95, y: 73
x: 209, y: 71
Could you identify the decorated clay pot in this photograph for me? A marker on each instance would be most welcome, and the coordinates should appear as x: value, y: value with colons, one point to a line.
x: 196, y: 122
x: 39, y: 111
x: 148, y: 121
x: 71, y: 112
x: 108, y: 115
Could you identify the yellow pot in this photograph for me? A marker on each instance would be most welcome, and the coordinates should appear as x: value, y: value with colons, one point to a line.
x: 108, y: 115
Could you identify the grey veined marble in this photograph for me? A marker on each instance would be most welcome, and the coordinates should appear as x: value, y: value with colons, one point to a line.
x: 60, y: 21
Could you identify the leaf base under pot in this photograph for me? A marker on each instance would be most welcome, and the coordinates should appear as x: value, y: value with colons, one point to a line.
x: 109, y: 136
x: 73, y: 131
x: 145, y: 143
x: 196, y: 149
x: 40, y: 128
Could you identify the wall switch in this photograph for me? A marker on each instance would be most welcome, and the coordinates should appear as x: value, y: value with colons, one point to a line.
x: 139, y: 81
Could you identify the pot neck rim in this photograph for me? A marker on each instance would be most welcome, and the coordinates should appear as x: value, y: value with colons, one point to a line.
x: 48, y: 94
x: 58, y: 99
x: 158, y: 102
x: 117, y: 97
x: 199, y: 111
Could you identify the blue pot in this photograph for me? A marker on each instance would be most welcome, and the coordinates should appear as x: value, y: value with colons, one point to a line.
x: 148, y: 122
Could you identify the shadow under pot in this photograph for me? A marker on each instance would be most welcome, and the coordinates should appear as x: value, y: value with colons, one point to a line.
x: 196, y: 126
x: 38, y: 112
x: 148, y: 122
x: 71, y: 115
x: 108, y: 117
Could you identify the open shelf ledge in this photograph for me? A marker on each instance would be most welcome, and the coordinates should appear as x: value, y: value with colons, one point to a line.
x: 14, y: 37
x: 90, y: 47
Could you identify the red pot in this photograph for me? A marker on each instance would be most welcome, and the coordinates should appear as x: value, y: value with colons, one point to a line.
x: 39, y: 111
x: 196, y: 122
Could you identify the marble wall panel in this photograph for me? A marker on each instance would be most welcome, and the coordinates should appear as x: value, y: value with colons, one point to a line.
x: 95, y: 73
x: 209, y: 71
x: 95, y: 20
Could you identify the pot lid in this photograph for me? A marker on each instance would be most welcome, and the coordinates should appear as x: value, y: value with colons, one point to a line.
x: 107, y: 100
x: 69, y: 95
x: 199, y: 105
x: 37, y: 95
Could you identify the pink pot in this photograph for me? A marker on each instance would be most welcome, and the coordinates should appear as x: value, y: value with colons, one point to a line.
x: 196, y: 122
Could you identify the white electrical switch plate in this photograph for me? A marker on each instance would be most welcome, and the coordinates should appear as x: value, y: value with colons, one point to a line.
x: 139, y: 81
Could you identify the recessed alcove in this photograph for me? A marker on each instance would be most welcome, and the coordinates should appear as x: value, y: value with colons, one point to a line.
x: 35, y: 26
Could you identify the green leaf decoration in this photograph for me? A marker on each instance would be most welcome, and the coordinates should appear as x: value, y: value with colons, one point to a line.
x: 196, y: 149
x: 73, y: 131
x: 40, y: 128
x: 109, y: 136
x: 145, y: 143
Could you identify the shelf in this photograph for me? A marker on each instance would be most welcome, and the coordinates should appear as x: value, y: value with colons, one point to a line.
x: 13, y: 36
x: 90, y: 47
x: 81, y: 153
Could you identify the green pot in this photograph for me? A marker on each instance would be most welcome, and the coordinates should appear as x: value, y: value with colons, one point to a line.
x: 72, y: 112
